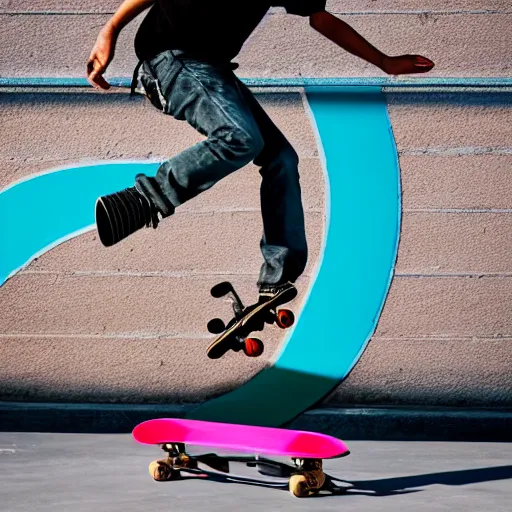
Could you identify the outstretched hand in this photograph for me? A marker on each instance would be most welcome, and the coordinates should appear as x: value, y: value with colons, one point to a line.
x: 406, y: 64
x: 101, y: 56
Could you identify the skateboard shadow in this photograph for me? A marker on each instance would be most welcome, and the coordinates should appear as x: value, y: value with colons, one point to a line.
x: 414, y: 483
x: 382, y: 487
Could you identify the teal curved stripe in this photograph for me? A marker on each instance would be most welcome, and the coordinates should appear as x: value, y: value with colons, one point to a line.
x: 47, y: 209
x: 345, y: 300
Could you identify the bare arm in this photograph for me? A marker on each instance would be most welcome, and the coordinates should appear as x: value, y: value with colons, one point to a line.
x: 347, y: 38
x: 104, y: 48
x: 128, y: 11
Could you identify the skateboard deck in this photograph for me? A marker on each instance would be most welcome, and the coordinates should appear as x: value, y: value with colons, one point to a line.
x: 234, y: 336
x: 228, y: 436
x: 306, y: 449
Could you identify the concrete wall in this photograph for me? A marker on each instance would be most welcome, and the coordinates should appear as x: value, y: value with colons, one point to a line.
x: 129, y: 324
x: 466, y: 38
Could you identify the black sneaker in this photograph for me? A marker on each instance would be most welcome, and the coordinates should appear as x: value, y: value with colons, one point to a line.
x: 120, y: 214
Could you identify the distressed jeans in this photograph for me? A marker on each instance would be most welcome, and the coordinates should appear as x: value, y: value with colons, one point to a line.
x: 211, y: 98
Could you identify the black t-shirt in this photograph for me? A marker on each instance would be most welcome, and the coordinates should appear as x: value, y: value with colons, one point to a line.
x: 208, y: 29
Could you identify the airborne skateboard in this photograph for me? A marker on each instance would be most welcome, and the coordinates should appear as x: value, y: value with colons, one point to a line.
x: 304, y: 477
x: 234, y: 335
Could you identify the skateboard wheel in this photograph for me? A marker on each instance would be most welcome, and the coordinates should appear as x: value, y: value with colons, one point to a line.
x: 253, y: 347
x: 161, y: 472
x: 285, y: 318
x: 216, y: 326
x: 221, y: 289
x: 298, y: 486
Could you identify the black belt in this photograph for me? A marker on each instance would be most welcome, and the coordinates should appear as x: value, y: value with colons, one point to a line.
x: 230, y: 65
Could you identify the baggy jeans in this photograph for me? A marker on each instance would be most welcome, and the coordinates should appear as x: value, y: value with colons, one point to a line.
x: 211, y: 98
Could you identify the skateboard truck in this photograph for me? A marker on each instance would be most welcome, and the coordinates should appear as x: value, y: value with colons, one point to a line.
x: 177, y: 459
x: 234, y: 335
x: 217, y: 325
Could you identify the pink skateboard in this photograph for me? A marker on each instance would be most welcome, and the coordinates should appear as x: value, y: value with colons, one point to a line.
x: 306, y: 449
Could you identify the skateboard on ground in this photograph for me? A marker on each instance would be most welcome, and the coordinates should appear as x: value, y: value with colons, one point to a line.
x: 306, y: 450
x: 235, y: 335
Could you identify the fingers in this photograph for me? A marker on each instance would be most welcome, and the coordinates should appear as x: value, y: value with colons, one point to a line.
x: 416, y: 64
x: 95, y: 72
x: 423, y: 62
x: 101, y: 82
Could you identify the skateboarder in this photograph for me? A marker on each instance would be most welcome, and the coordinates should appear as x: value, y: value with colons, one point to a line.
x: 185, y: 50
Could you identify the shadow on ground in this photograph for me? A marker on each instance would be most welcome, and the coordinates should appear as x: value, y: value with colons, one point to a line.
x: 390, y: 486
x: 406, y: 484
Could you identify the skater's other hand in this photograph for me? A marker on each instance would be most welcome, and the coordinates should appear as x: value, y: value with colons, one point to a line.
x: 101, y: 56
x: 406, y: 64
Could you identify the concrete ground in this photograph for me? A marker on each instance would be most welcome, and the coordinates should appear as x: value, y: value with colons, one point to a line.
x: 108, y: 472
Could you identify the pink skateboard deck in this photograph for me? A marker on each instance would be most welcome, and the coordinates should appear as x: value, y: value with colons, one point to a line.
x: 265, y: 440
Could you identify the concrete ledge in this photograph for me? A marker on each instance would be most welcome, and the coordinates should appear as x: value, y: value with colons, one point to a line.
x: 349, y: 423
x: 409, y: 423
x: 125, y: 82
